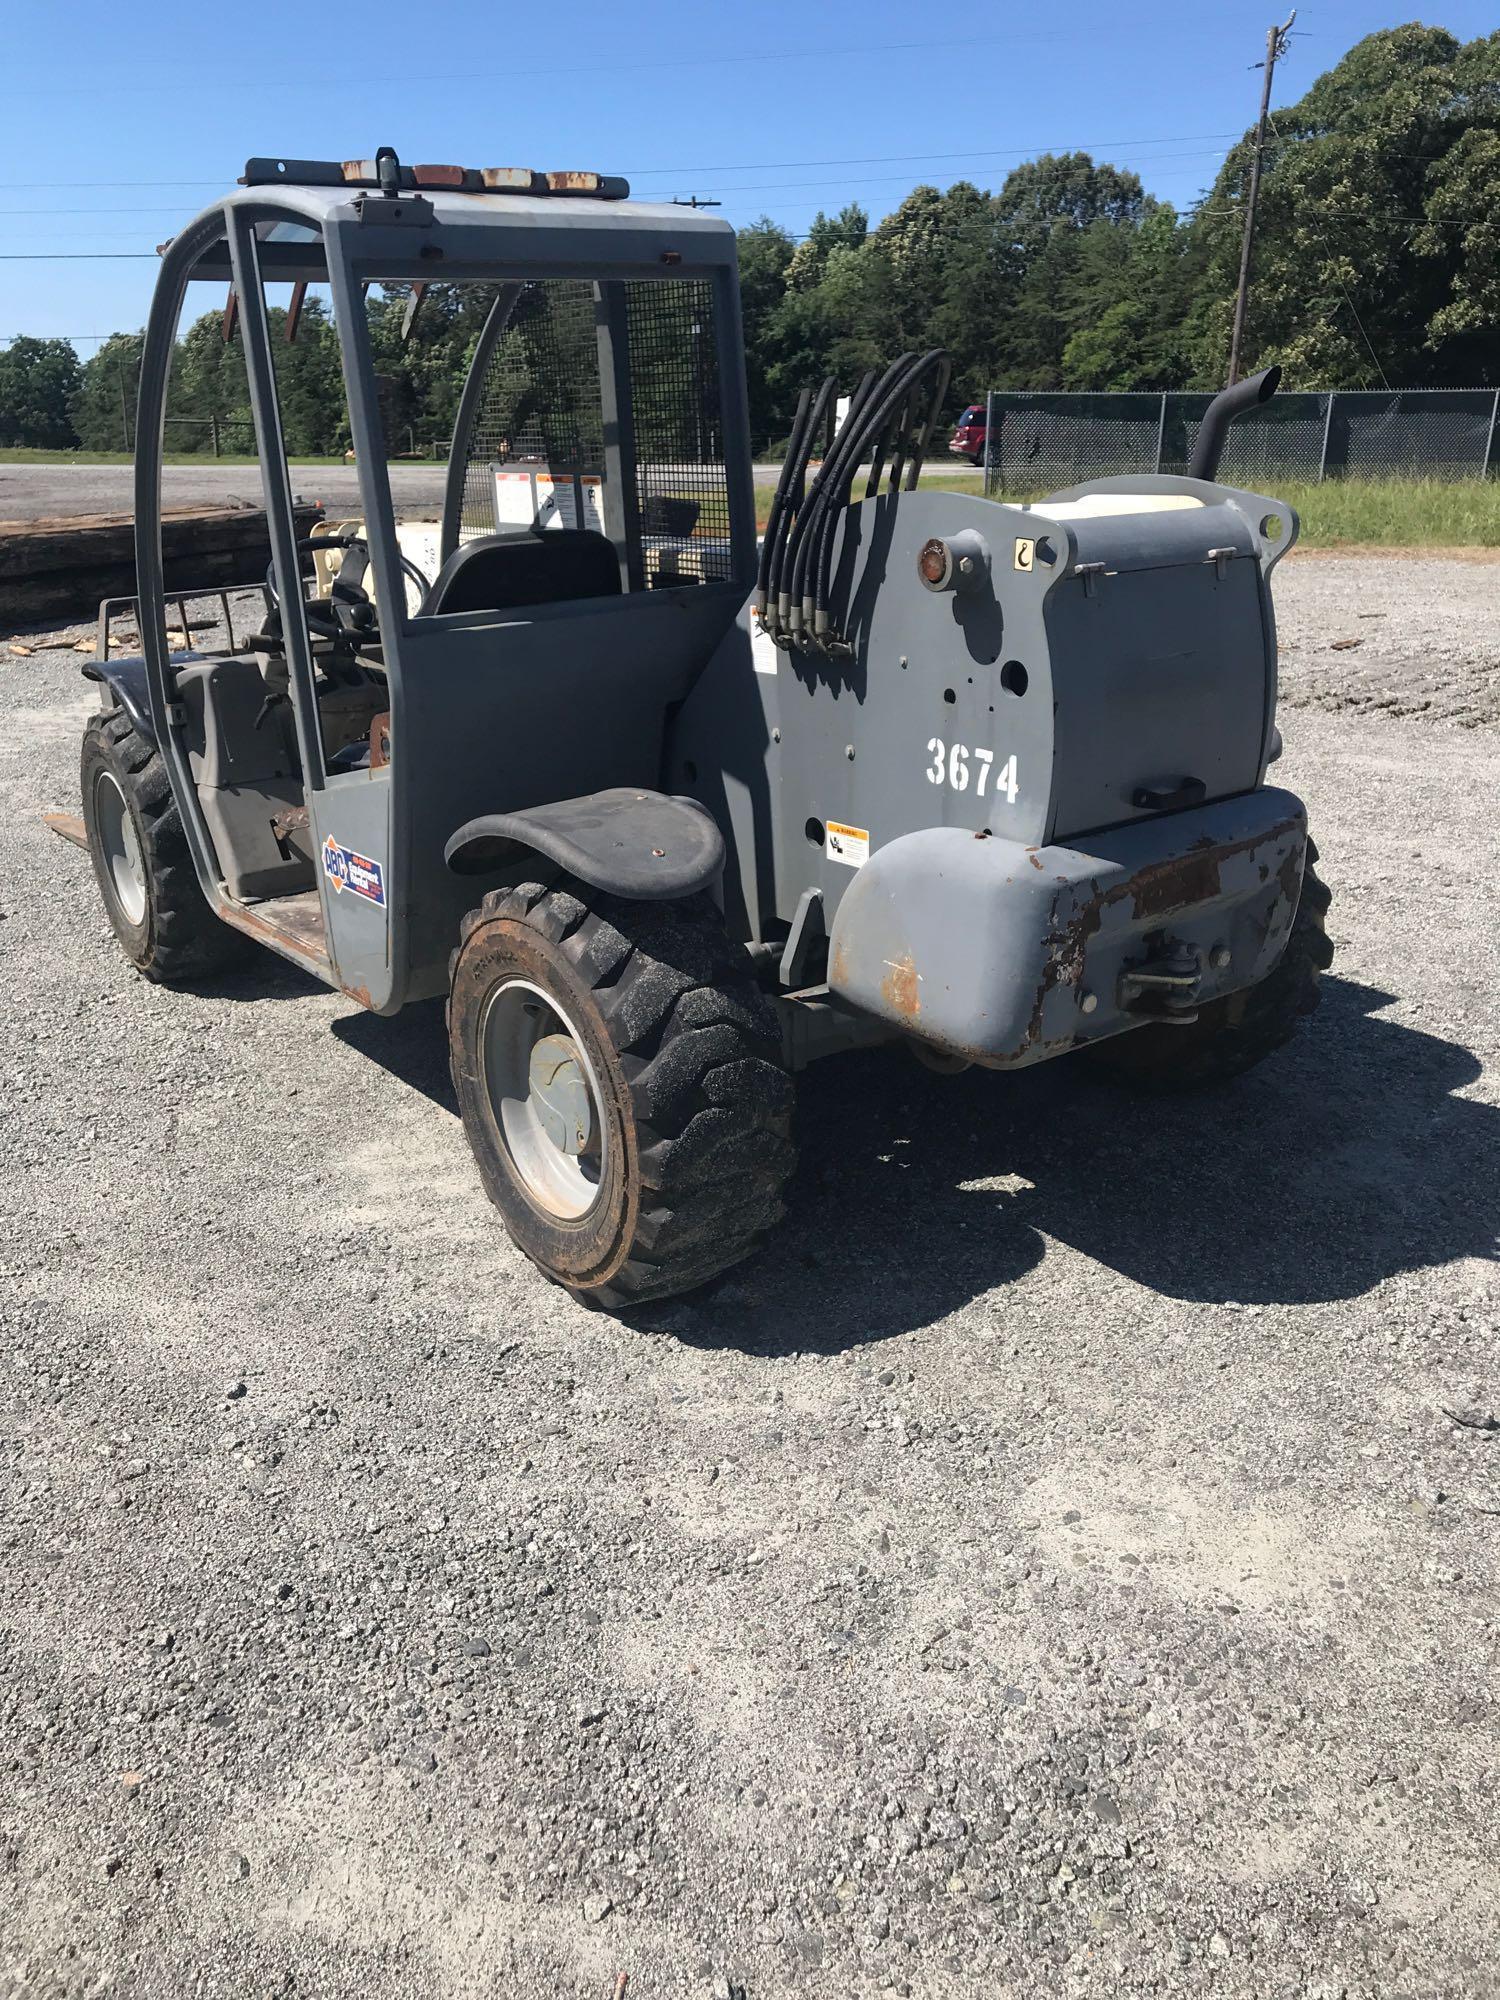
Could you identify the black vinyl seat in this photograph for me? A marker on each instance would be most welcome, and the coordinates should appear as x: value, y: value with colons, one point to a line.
x: 526, y: 566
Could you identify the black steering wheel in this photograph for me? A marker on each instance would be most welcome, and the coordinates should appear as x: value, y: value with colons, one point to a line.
x: 349, y: 615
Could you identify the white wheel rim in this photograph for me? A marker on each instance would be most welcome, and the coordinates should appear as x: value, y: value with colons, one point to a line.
x: 121, y: 847
x: 544, y: 1098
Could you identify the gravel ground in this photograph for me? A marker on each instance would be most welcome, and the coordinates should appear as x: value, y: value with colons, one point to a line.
x: 1399, y: 634
x: 42, y: 492
x: 1050, y: 1568
x: 36, y: 492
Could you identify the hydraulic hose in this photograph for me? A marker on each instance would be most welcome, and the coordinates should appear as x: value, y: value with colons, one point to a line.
x: 874, y: 408
x: 794, y: 473
x: 833, y: 479
x: 907, y: 373
x: 914, y: 470
x: 797, y: 553
x: 779, y: 500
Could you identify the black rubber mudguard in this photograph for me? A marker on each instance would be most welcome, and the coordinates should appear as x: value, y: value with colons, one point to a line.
x: 641, y: 845
x: 126, y: 680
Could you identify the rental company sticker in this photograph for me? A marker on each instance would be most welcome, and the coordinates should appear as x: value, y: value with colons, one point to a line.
x: 357, y: 872
x: 849, y: 844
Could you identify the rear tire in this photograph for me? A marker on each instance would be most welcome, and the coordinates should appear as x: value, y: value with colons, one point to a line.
x: 1232, y: 1035
x: 635, y: 1032
x: 142, y: 861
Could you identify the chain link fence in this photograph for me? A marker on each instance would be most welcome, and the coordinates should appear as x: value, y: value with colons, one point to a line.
x: 1037, y: 441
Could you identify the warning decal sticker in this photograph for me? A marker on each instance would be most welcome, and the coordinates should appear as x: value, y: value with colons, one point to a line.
x: 849, y: 844
x: 356, y: 872
x: 764, y: 655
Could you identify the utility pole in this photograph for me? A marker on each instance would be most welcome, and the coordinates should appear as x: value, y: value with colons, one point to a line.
x: 124, y: 411
x: 1276, y: 41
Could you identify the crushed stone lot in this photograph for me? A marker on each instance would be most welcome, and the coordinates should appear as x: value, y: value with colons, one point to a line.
x: 1065, y: 1562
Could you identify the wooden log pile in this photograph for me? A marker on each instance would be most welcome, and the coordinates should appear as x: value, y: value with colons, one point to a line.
x: 61, y: 569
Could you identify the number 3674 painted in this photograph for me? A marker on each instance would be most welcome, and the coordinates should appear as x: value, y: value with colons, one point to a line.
x: 951, y: 765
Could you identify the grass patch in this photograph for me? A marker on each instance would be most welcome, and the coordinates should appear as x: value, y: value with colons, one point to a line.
x: 1398, y: 513
x: 1345, y: 513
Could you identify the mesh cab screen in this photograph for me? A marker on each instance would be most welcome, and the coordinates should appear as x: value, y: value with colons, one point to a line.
x: 679, y: 441
x: 541, y: 410
x: 540, y: 403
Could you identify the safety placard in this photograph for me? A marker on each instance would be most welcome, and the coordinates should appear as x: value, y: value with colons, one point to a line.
x: 849, y: 844
x: 543, y: 497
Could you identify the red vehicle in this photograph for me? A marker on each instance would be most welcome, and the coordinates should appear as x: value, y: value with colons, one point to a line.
x: 968, y: 440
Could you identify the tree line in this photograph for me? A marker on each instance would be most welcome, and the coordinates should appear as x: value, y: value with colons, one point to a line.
x: 1377, y: 262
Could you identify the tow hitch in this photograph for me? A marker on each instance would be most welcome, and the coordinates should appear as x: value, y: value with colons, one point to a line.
x: 1165, y: 984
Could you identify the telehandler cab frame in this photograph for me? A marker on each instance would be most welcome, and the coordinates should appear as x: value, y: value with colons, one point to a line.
x: 662, y: 813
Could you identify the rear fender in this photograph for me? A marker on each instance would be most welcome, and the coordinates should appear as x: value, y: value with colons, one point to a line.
x: 640, y: 845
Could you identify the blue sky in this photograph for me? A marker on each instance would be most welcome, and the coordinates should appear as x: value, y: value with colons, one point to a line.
x: 774, y: 107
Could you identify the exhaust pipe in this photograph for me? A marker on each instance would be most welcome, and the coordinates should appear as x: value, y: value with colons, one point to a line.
x: 1208, y: 448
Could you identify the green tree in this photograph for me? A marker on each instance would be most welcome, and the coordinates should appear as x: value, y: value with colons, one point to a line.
x: 207, y: 384
x: 103, y: 404
x: 845, y: 231
x: 1067, y: 190
x: 38, y: 380
x: 765, y: 253
x: 1376, y: 242
x: 1129, y: 305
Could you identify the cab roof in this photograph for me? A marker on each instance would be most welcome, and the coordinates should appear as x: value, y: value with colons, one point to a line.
x: 459, y: 216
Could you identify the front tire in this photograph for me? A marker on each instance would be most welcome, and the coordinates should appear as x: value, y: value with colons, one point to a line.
x: 1232, y: 1035
x: 620, y: 1081
x: 142, y: 861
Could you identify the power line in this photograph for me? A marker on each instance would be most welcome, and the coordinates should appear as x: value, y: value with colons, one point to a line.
x: 894, y: 159
x: 1035, y: 150
x: 725, y: 187
x: 732, y: 187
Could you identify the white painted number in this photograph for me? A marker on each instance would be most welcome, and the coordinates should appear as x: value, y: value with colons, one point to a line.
x: 950, y: 766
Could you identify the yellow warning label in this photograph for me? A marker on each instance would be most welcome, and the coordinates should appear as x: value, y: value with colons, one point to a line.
x: 849, y: 844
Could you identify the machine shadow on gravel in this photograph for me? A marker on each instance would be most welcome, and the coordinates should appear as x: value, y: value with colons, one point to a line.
x: 1346, y: 1159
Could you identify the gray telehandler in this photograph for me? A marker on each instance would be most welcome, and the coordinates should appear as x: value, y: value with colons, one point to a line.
x: 664, y: 809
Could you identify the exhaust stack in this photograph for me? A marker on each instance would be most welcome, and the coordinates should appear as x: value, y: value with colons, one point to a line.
x: 1230, y: 403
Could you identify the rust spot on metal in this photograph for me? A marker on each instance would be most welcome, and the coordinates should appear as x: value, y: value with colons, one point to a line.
x: 901, y: 987
x: 1289, y: 875
x: 380, y: 740
x: 295, y: 928
x: 361, y: 994
x: 1173, y: 884
x: 1034, y: 858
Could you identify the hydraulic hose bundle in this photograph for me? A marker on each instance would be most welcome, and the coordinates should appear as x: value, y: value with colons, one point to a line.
x: 891, y: 416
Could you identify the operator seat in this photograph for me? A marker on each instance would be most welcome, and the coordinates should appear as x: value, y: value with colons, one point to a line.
x: 525, y: 566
